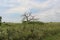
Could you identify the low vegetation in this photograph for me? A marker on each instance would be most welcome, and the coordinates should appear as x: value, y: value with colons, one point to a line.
x: 30, y: 31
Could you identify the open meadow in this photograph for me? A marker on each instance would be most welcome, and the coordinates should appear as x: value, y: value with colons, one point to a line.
x: 33, y: 31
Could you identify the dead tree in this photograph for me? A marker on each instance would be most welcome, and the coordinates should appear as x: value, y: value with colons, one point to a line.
x: 27, y: 17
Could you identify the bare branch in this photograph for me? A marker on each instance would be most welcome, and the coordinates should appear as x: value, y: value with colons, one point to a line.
x: 27, y: 16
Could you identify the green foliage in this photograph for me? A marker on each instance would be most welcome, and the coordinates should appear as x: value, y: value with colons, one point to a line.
x: 31, y: 31
x: 33, y: 22
x: 0, y: 20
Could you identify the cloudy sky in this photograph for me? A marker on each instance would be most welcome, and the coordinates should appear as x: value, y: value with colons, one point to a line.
x: 45, y: 10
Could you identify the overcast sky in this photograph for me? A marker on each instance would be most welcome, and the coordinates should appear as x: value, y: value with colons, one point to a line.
x: 46, y: 10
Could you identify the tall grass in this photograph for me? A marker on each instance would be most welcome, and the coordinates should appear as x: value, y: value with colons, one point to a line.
x: 33, y: 31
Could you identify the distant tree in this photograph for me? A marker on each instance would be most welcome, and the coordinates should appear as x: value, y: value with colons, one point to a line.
x: 0, y: 20
x: 27, y: 17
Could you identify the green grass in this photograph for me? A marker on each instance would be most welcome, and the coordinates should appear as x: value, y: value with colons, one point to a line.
x: 18, y: 31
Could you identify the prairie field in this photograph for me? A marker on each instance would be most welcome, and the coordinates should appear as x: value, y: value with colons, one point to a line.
x: 32, y: 31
